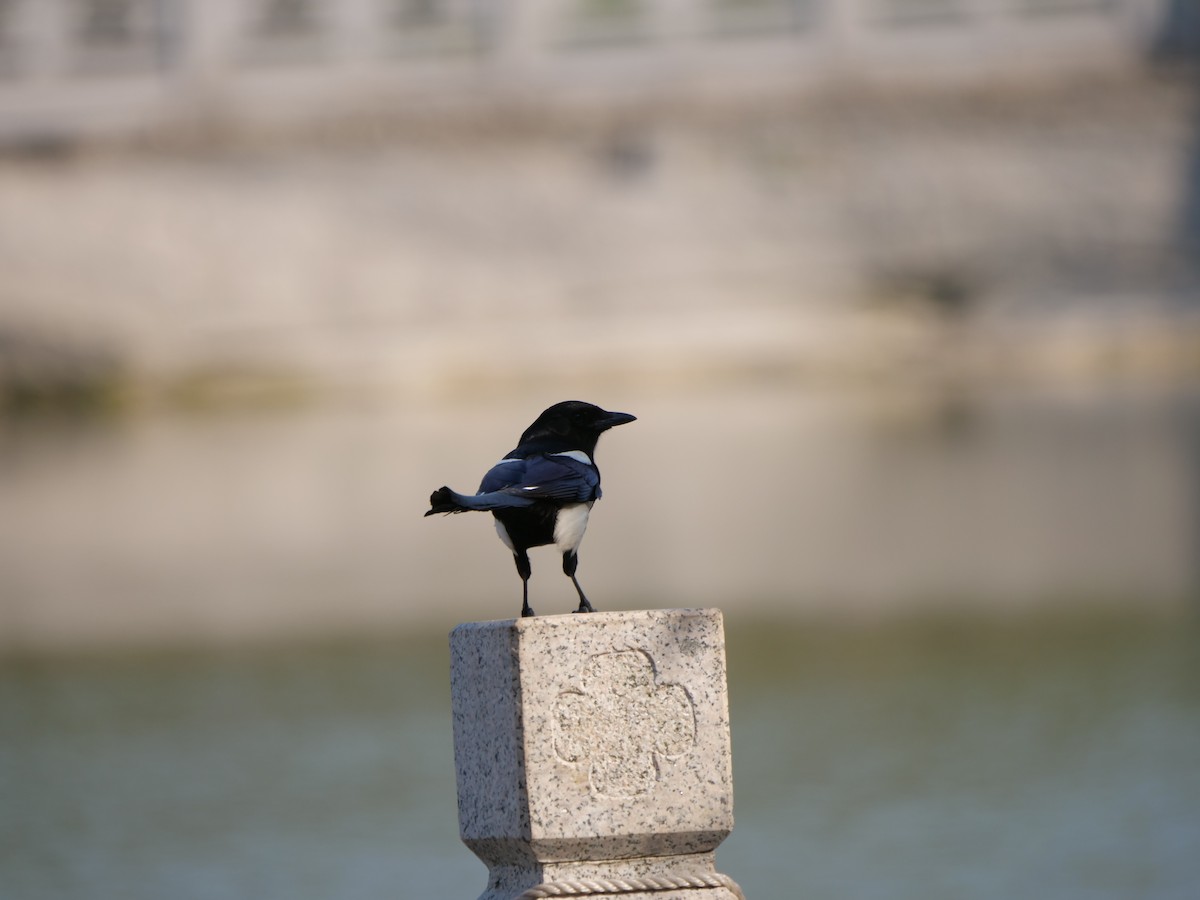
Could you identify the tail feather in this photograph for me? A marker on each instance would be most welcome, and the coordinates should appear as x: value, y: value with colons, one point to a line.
x: 444, y: 500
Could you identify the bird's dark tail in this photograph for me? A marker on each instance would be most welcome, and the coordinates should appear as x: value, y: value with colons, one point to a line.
x: 444, y: 500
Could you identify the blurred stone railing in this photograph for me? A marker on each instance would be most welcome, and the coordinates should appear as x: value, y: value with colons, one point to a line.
x: 78, y: 66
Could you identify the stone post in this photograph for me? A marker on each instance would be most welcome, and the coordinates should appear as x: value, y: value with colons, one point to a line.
x: 592, y: 754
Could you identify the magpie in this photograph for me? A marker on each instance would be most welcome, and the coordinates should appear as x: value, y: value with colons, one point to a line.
x: 541, y: 492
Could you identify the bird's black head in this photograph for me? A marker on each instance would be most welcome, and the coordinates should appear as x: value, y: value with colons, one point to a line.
x: 573, y: 425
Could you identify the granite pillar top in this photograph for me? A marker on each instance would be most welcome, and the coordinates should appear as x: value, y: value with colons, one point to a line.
x: 595, y: 736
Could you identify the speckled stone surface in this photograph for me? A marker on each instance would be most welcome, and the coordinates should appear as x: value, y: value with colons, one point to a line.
x: 587, y: 744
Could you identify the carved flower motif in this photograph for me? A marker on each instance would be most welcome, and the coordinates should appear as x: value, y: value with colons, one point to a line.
x: 622, y: 724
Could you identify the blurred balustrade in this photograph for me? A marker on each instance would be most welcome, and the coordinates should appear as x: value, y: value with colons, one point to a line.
x: 79, y: 66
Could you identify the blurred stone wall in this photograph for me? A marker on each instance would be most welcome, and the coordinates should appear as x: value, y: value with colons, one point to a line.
x: 963, y: 235
x: 926, y: 270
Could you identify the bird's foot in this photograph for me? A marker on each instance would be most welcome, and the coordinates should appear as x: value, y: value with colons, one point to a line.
x: 584, y: 607
x: 527, y: 611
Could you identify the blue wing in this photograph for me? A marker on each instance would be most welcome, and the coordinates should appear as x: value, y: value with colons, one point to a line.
x: 518, y: 483
x: 539, y: 477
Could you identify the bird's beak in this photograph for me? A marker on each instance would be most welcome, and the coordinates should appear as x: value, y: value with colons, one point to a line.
x: 615, y: 418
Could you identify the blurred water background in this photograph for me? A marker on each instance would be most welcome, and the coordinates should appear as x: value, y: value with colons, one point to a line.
x: 1049, y: 756
x: 904, y: 295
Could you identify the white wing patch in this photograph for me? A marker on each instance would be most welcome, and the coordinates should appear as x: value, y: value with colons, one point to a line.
x: 577, y: 455
x: 570, y: 525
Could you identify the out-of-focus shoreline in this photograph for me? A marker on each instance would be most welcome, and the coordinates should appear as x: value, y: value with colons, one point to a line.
x: 1008, y: 236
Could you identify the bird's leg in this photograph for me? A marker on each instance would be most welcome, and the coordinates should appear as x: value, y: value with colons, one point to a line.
x: 570, y: 562
x: 521, y: 558
x: 584, y: 606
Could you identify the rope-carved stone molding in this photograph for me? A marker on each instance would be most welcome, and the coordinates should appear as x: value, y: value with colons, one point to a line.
x: 591, y: 888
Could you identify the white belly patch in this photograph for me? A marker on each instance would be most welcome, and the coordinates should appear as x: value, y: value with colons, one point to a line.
x: 570, y: 525
x: 503, y: 532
